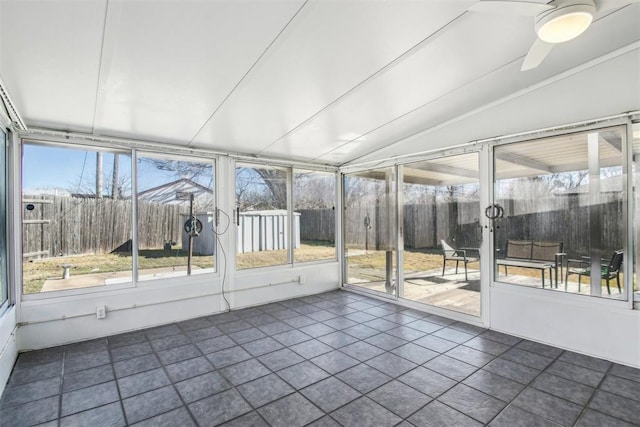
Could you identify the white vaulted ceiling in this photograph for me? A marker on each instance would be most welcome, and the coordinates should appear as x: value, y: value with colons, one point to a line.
x: 331, y: 82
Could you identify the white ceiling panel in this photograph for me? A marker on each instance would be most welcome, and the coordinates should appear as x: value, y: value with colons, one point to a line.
x: 329, y: 48
x: 449, y: 61
x: 465, y: 98
x: 330, y: 82
x: 594, y: 92
x: 50, y: 59
x: 598, y: 41
x: 167, y: 66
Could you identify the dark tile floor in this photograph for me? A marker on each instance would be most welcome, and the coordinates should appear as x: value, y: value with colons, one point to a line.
x: 332, y: 359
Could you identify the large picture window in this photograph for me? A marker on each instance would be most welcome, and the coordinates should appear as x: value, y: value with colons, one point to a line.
x: 173, y: 195
x: 78, y: 211
x: 261, y: 216
x: 314, y: 195
x: 563, y: 202
x: 76, y: 218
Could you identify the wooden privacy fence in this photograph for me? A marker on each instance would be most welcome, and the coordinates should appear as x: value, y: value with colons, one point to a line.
x: 556, y: 219
x: 160, y: 223
x: 424, y: 225
x: 317, y: 224
x: 569, y: 225
x: 55, y: 225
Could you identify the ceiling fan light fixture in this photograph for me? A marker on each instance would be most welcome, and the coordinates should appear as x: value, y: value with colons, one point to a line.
x: 564, y: 23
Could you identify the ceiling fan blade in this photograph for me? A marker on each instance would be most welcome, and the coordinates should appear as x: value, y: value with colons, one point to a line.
x: 613, y: 4
x: 539, y: 50
x: 525, y: 8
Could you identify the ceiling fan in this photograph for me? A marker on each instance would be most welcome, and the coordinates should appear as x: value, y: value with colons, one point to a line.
x: 555, y: 22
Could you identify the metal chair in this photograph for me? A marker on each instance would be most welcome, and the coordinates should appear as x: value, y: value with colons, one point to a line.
x: 608, y: 271
x: 457, y: 255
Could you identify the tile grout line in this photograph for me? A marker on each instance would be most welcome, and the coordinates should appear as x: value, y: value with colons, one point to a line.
x: 64, y: 357
x: 112, y: 368
x: 391, y: 377
x: 233, y: 386
x: 173, y: 383
x: 338, y: 309
x: 115, y: 379
x: 511, y: 347
x: 295, y: 391
x: 526, y: 386
x: 457, y: 382
x: 585, y: 408
x: 218, y: 370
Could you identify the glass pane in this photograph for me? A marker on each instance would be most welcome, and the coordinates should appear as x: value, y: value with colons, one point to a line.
x: 563, y: 213
x: 76, y: 218
x: 4, y: 290
x: 442, y: 235
x: 173, y: 195
x: 369, y: 229
x: 314, y: 195
x: 263, y: 226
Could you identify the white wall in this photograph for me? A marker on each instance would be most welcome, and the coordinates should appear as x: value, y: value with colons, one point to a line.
x: 8, y: 345
x: 54, y: 321
x: 594, y: 326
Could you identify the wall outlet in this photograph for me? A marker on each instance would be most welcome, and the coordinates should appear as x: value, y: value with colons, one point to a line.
x: 301, y: 280
x: 101, y: 311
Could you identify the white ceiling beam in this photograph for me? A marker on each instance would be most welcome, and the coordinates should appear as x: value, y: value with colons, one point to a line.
x: 449, y: 170
x: 577, y: 166
x: 523, y: 161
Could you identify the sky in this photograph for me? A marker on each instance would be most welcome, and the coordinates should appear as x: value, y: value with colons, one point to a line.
x: 74, y: 171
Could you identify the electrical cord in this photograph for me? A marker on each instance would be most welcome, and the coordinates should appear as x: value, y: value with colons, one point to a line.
x: 224, y: 254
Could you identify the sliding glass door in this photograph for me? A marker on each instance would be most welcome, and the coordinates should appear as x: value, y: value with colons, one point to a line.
x: 437, y: 212
x: 442, y: 233
x: 558, y: 221
x: 370, y: 230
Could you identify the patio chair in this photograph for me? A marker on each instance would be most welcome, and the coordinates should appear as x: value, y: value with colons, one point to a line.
x: 457, y: 255
x: 609, y: 270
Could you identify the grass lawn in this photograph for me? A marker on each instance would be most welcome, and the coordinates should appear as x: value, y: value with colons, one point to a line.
x: 413, y: 260
x: 36, y: 272
x: 420, y: 260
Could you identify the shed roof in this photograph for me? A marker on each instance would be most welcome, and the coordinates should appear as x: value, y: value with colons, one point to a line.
x: 166, y: 193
